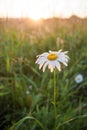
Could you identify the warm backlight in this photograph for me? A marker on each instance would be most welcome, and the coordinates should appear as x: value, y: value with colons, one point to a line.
x: 37, y: 9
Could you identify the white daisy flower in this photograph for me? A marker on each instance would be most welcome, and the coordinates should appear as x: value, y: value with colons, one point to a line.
x: 79, y: 78
x: 27, y: 92
x: 52, y: 59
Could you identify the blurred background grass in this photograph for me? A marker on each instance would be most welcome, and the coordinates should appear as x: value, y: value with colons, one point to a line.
x: 25, y: 91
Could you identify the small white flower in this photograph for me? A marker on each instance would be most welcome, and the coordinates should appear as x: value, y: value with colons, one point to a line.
x: 84, y: 105
x: 27, y: 92
x: 79, y: 78
x: 30, y: 87
x: 52, y: 59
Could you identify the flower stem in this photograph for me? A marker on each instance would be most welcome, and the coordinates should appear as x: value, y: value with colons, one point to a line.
x: 55, y: 93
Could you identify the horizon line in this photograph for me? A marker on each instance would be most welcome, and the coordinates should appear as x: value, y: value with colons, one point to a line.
x: 24, y: 17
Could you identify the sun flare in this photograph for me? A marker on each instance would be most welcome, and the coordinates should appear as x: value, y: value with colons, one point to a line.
x: 32, y: 9
x: 35, y: 15
x: 37, y: 9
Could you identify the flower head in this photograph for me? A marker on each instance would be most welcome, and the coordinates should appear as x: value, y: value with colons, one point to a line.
x: 79, y: 78
x: 27, y: 92
x: 52, y: 59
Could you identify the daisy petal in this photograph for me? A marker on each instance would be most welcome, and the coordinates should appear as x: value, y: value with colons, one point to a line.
x: 44, y: 66
x: 58, y: 66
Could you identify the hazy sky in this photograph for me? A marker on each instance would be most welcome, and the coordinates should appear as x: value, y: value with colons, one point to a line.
x: 43, y: 8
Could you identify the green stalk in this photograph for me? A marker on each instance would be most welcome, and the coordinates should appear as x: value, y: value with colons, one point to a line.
x: 55, y: 93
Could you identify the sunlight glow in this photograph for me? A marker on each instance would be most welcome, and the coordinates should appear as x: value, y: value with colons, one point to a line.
x: 37, y: 9
x: 31, y: 9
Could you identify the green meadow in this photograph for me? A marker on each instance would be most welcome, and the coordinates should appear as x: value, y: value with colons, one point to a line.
x: 26, y: 93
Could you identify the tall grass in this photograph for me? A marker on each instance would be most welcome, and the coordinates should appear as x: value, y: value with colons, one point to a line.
x: 26, y: 93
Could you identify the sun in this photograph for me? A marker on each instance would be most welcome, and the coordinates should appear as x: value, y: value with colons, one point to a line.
x: 35, y: 15
x: 32, y: 9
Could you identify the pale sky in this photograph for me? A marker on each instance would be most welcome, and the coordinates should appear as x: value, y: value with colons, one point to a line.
x: 43, y: 8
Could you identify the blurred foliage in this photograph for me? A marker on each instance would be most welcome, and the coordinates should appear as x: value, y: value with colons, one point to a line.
x: 26, y: 93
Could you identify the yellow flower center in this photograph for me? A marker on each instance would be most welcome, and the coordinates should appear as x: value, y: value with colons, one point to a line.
x: 52, y: 56
x: 78, y: 78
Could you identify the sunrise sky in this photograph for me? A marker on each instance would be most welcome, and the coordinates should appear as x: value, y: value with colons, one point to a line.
x: 43, y: 8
